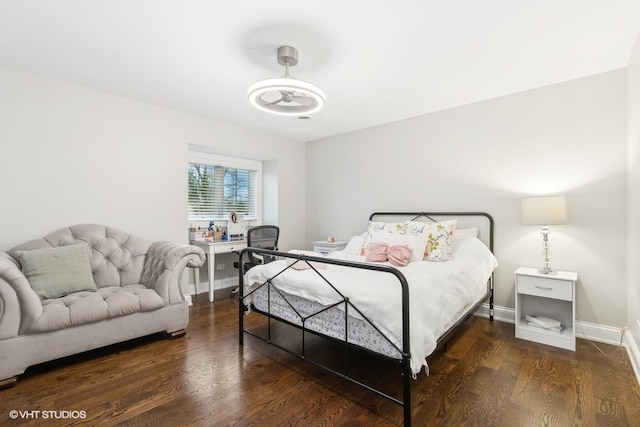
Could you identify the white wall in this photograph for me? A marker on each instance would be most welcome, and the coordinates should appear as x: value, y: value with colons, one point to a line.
x: 70, y: 154
x: 563, y: 139
x: 633, y: 194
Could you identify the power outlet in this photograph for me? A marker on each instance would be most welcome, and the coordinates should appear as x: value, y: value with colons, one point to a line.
x: 219, y: 266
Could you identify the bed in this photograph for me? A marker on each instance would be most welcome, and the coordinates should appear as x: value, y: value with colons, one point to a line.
x: 399, y: 291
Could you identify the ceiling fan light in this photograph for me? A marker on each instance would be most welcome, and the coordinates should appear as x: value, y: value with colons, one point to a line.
x: 286, y: 95
x: 260, y: 88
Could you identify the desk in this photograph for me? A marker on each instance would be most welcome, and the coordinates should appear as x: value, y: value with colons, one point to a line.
x: 211, y: 249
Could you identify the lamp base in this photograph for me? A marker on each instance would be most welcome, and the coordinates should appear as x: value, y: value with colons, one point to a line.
x: 546, y: 264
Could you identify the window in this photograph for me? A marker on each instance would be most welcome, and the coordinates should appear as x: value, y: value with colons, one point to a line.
x: 219, y: 185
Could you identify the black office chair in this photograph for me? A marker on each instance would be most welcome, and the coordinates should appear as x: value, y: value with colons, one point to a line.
x: 262, y: 237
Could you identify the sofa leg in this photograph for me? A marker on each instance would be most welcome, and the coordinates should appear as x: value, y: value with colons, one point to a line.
x: 8, y: 382
x: 177, y: 334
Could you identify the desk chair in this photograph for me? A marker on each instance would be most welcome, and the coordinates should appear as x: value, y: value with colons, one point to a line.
x: 262, y: 237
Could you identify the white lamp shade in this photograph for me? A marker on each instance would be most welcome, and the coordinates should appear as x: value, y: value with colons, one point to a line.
x: 544, y: 210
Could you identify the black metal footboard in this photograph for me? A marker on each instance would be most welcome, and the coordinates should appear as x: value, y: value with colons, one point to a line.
x: 344, y: 301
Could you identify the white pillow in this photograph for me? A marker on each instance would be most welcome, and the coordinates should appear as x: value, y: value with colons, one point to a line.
x: 471, y: 232
x: 354, y: 247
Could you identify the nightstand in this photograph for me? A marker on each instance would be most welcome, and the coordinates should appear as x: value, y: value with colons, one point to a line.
x: 325, y: 247
x: 549, y: 295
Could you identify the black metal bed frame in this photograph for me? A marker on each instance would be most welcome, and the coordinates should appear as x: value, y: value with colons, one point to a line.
x: 405, y: 352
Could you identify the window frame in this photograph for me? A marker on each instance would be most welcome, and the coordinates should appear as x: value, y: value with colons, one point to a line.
x: 232, y: 163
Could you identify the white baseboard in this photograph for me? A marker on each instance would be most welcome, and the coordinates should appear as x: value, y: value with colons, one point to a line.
x: 634, y: 354
x: 503, y: 314
x: 598, y: 333
x: 589, y: 331
x: 229, y: 282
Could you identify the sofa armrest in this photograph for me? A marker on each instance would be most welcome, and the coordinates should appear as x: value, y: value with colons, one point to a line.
x: 19, y: 304
x: 163, y: 267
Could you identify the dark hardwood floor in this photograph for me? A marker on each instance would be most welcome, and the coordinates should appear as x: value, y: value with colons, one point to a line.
x: 486, y: 378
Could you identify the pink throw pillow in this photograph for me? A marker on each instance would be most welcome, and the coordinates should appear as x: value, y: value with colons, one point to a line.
x: 377, y: 252
x: 399, y: 255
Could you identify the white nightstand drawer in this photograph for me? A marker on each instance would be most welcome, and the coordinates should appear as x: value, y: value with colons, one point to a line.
x: 545, y: 287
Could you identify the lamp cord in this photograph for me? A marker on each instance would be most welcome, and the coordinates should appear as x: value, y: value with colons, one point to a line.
x: 591, y: 342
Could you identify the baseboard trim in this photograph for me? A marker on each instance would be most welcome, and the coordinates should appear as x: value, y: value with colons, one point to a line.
x: 599, y: 333
x: 229, y: 282
x: 585, y: 330
x: 634, y: 354
x: 502, y: 314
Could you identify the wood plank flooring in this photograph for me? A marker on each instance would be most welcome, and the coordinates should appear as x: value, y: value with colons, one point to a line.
x: 486, y: 378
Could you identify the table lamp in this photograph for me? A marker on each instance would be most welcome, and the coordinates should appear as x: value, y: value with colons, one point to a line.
x: 544, y: 211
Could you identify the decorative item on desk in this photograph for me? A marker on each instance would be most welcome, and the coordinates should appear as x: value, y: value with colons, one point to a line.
x: 544, y: 211
x: 193, y: 234
x: 235, y: 226
x: 213, y: 235
x: 197, y: 234
x: 331, y: 239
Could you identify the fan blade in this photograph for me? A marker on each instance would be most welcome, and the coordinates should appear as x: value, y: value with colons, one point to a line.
x: 303, y: 100
x: 286, y: 96
x: 274, y: 102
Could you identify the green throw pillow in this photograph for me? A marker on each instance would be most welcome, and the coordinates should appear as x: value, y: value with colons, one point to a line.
x: 59, y: 271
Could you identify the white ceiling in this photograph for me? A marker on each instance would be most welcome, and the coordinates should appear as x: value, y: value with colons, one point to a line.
x: 377, y: 60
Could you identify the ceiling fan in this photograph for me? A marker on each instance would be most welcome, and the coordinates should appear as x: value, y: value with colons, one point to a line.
x: 290, y: 96
x: 286, y: 95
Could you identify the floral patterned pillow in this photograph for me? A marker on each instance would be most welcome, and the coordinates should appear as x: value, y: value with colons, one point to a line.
x: 386, y: 229
x: 439, y: 238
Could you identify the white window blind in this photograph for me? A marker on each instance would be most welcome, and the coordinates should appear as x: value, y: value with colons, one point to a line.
x: 218, y: 186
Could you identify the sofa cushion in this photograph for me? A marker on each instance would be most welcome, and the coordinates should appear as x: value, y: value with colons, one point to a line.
x: 58, y: 271
x: 87, y: 307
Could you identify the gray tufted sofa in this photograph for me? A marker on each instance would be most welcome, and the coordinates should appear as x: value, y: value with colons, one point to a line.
x: 137, y: 293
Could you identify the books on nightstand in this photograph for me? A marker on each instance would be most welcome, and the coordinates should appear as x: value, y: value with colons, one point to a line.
x: 545, y: 323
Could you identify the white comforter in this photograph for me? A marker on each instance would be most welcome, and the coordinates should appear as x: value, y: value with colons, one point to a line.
x: 438, y: 291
